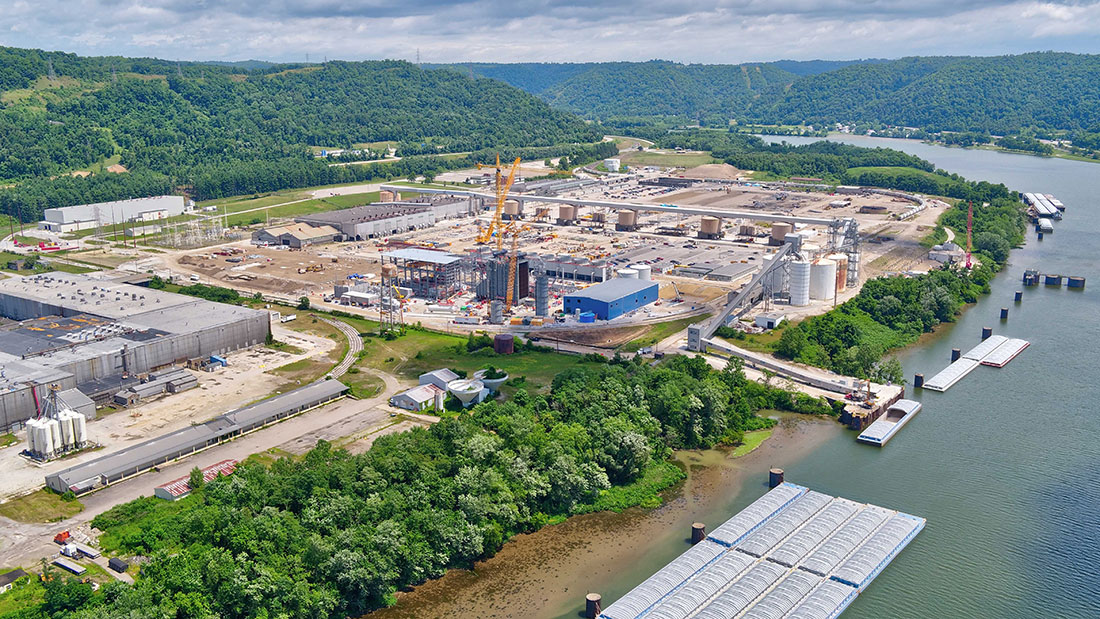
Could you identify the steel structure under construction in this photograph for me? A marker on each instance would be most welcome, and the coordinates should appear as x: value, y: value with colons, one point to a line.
x: 433, y: 275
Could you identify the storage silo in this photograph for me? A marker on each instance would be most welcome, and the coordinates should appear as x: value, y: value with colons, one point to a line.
x: 55, y: 433
x: 496, y: 312
x: 628, y: 221
x: 747, y: 230
x: 31, y: 425
x: 385, y: 196
x: 567, y: 213
x: 780, y: 230
x: 823, y: 279
x: 841, y: 261
x: 65, y: 420
x: 511, y: 209
x: 710, y: 228
x: 644, y: 271
x: 800, y: 283
x: 628, y: 274
x: 81, y: 429
x: 542, y: 296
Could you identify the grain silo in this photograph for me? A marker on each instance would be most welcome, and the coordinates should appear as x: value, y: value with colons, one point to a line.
x: 567, y: 214
x: 780, y: 230
x: 823, y: 279
x: 800, y: 283
x: 710, y: 228
x: 628, y: 221
x: 841, y: 261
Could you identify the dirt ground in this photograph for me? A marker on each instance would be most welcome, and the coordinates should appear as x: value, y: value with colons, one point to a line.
x: 245, y: 380
x: 597, y: 337
x: 715, y: 170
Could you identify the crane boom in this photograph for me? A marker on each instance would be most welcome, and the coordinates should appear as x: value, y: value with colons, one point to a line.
x: 502, y: 188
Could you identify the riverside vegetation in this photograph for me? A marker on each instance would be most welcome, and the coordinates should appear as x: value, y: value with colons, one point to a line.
x: 333, y: 534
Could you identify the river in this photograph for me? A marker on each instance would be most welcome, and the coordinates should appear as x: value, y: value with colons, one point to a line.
x: 1004, y: 466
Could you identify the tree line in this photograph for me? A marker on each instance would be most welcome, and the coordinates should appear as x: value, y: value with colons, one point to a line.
x: 334, y: 534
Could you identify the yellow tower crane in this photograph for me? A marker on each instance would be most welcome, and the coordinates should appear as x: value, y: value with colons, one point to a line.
x: 513, y: 259
x: 497, y: 223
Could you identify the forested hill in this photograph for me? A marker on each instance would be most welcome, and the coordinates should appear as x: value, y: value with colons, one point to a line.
x: 1000, y: 94
x: 63, y: 112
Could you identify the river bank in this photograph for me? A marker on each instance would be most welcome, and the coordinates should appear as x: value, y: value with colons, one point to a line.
x: 547, y: 573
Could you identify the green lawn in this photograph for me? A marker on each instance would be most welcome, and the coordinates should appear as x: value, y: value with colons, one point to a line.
x: 40, y: 506
x: 895, y: 171
x: 297, y: 209
x: 759, y: 342
x: 362, y: 385
x: 44, y: 265
x: 7, y: 440
x: 660, y: 331
x: 679, y: 160
x: 751, y: 441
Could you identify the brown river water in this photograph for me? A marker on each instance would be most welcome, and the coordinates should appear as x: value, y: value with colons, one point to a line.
x: 547, y: 573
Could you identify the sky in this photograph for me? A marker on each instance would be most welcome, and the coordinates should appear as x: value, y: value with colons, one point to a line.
x: 708, y: 31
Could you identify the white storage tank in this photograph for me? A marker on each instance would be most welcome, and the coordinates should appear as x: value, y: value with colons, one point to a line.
x: 823, y: 279
x: 800, y: 283
x: 32, y: 425
x: 628, y: 274
x: 644, y: 271
x: 81, y: 429
x: 55, y: 433
x: 65, y: 420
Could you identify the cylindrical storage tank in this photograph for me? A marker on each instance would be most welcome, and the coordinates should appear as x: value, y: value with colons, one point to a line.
x: 55, y: 434
x: 567, y: 212
x: 800, y: 283
x: 81, y: 429
x: 542, y: 296
x: 780, y: 230
x: 31, y: 425
x: 599, y: 217
x: 747, y: 230
x: 66, y: 423
x: 628, y: 274
x: 496, y: 312
x: 710, y: 226
x: 511, y: 207
x: 644, y: 271
x: 504, y: 344
x: 385, y: 196
x: 841, y: 261
x: 628, y: 217
x: 823, y: 279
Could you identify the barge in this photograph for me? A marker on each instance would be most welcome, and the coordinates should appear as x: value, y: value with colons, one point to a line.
x: 897, y: 415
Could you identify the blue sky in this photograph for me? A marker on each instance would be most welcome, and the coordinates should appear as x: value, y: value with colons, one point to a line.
x: 711, y: 31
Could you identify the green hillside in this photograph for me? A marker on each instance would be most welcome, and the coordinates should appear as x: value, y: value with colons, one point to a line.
x: 175, y: 123
x: 1045, y: 91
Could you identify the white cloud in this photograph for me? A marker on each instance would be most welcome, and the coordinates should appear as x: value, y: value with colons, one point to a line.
x: 533, y: 30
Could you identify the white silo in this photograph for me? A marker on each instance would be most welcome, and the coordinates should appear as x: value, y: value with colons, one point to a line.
x: 55, y: 434
x: 65, y: 420
x: 628, y: 274
x: 823, y: 279
x: 644, y: 271
x: 32, y: 425
x: 800, y: 283
x: 81, y: 425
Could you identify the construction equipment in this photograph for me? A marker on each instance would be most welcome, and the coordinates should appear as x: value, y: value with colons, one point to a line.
x: 513, y: 259
x: 497, y: 224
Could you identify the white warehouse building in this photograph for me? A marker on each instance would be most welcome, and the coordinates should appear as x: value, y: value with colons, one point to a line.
x: 86, y: 216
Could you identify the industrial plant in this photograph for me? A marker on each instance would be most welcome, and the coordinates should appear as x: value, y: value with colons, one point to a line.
x: 101, y: 336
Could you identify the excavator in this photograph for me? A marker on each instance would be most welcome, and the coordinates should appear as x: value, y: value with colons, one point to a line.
x: 496, y: 226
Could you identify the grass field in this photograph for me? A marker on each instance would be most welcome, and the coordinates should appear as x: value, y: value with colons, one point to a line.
x: 894, y: 171
x: 28, y: 593
x: 751, y: 441
x: 679, y: 160
x: 7, y: 440
x: 760, y: 342
x: 315, y: 367
x: 660, y: 331
x: 40, y: 506
x: 44, y: 266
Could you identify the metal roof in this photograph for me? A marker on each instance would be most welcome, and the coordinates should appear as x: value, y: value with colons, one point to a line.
x: 613, y: 289
x: 987, y: 346
x: 422, y: 255
x: 764, y: 574
x: 138, y: 457
x: 951, y: 374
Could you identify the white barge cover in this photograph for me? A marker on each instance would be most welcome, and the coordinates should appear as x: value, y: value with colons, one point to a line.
x: 987, y: 346
x: 951, y: 374
x: 1005, y: 352
x: 798, y: 553
x: 893, y: 419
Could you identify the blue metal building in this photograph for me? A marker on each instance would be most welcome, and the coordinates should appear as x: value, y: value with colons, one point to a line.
x: 612, y: 298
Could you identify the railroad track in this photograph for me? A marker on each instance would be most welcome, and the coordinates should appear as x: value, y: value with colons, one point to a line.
x: 355, y: 345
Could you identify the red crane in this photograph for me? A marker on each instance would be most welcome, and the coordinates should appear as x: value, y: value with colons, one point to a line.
x: 969, y: 229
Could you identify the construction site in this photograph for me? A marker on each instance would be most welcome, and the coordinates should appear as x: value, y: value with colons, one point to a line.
x: 513, y: 253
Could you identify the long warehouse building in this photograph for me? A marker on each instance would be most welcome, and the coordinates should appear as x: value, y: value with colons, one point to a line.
x: 144, y: 456
x: 88, y: 216
x: 94, y: 333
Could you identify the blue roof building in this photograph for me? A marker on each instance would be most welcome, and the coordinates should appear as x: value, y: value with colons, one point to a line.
x: 612, y: 298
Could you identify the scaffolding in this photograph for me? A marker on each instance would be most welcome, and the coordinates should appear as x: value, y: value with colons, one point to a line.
x: 431, y: 275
